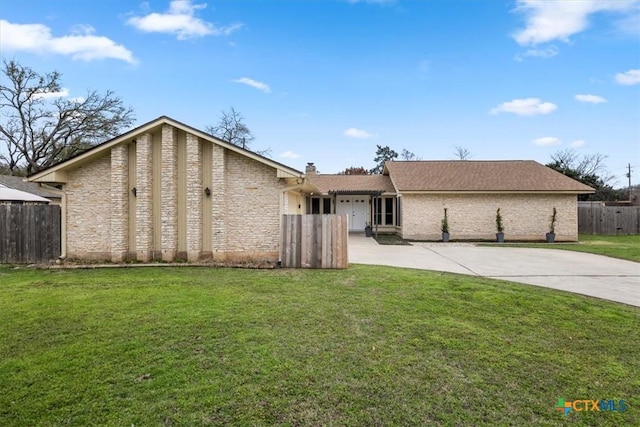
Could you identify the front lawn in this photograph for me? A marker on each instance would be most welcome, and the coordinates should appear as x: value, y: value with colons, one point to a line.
x: 623, y: 247
x: 364, y: 346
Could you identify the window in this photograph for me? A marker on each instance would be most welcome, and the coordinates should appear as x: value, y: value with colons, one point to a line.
x: 326, y: 205
x: 388, y: 211
x: 384, y: 211
x: 315, y: 206
x: 320, y: 205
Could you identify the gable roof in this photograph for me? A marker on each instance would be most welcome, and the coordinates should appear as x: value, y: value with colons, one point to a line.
x: 49, y: 174
x: 19, y: 183
x: 480, y: 176
x: 351, y: 183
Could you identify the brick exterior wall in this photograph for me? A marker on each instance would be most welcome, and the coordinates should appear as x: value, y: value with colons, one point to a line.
x: 144, y: 198
x: 194, y: 198
x: 473, y: 216
x: 218, y: 203
x: 88, y: 210
x: 252, y: 202
x: 119, y: 203
x: 169, y: 195
x: 246, y: 199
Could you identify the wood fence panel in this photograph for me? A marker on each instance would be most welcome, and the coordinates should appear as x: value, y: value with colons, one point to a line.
x: 609, y: 220
x: 314, y: 241
x: 29, y: 233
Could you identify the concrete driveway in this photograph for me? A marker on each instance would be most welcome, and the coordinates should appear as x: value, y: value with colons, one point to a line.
x: 582, y: 273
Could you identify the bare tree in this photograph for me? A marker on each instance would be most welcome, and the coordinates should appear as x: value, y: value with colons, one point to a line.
x: 462, y: 153
x: 588, y: 169
x: 587, y: 165
x: 231, y: 128
x: 408, y: 155
x: 40, y: 126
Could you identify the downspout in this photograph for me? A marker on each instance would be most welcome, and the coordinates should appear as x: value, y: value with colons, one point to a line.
x: 63, y: 221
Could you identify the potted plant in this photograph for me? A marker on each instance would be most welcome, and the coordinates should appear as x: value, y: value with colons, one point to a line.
x: 367, y: 231
x: 551, y: 235
x: 499, y: 227
x: 444, y: 226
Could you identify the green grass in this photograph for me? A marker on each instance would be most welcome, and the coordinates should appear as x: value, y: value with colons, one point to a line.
x: 623, y: 247
x: 364, y: 346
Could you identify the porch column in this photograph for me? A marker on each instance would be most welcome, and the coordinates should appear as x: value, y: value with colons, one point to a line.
x: 195, y: 192
x: 119, y: 203
x: 144, y: 193
x: 169, y: 213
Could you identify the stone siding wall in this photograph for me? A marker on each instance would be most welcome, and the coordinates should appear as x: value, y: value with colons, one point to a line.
x: 245, y: 198
x: 119, y: 203
x: 473, y: 216
x: 169, y: 196
x: 194, y: 198
x: 252, y: 199
x: 144, y: 198
x: 88, y: 210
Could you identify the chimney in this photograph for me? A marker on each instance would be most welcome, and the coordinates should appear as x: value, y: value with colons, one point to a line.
x: 310, y: 169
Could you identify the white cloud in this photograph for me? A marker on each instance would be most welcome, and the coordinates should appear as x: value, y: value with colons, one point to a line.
x: 254, y: 84
x: 289, y: 155
x: 547, y: 141
x: 358, y: 133
x: 547, y: 52
x: 548, y: 20
x: 592, y: 99
x: 578, y: 143
x: 180, y: 19
x: 525, y: 107
x: 81, y: 44
x: 49, y: 95
x: 630, y: 77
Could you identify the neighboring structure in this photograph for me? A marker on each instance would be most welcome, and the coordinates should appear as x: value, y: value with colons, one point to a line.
x: 42, y: 191
x: 11, y: 195
x: 168, y: 191
x: 410, y: 196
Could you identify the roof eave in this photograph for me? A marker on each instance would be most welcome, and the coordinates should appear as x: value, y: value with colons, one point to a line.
x: 576, y: 192
x: 57, y: 173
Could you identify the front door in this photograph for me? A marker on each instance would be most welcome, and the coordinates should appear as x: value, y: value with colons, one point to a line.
x: 356, y: 207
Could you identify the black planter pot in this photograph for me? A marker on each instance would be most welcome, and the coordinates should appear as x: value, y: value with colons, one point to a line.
x: 500, y: 237
x: 367, y: 231
x: 551, y: 237
x: 445, y: 237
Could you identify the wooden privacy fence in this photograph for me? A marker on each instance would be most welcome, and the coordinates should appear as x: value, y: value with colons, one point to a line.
x: 29, y: 233
x: 609, y: 220
x: 314, y: 241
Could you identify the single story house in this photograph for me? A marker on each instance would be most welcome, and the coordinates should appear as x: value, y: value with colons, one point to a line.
x: 165, y: 190
x: 409, y: 199
x: 168, y: 191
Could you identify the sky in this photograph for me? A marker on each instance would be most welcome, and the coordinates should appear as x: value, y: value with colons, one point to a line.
x: 326, y: 81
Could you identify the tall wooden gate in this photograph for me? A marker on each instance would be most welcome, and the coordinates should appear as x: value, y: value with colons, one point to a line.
x: 314, y: 241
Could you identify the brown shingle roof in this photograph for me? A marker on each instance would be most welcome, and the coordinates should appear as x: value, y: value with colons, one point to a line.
x: 351, y: 183
x: 508, y: 175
